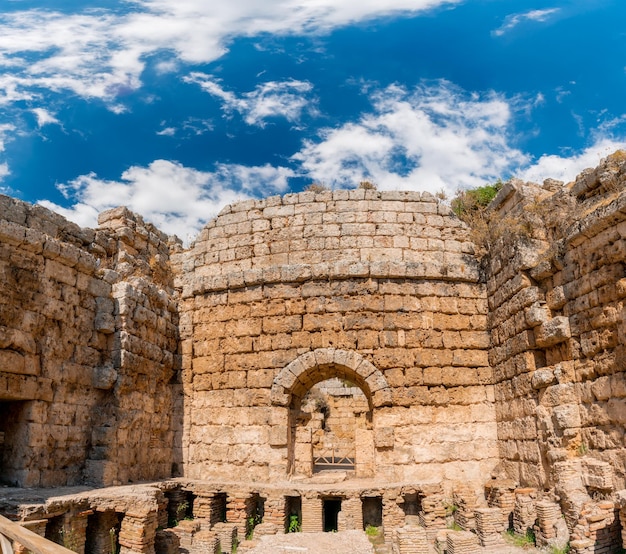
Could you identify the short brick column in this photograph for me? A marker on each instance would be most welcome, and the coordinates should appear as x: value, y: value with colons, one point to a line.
x: 138, y: 533
x: 312, y: 520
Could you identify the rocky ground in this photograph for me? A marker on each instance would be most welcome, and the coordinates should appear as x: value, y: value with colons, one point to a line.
x: 344, y: 542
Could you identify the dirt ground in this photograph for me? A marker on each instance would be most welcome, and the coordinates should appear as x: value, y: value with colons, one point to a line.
x: 343, y: 542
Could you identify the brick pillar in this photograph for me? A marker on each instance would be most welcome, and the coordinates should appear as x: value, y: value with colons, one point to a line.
x: 622, y: 518
x: 208, y: 508
x: 228, y: 534
x: 489, y: 527
x: 275, y: 512
x: 162, y: 514
x: 207, y: 542
x: 312, y: 515
x: 393, y: 514
x: 548, y: 514
x: 524, y: 513
x: 462, y: 542
x: 73, y: 531
x: 138, y: 533
x: 433, y: 514
x: 237, y: 506
x: 464, y: 500
x: 501, y: 494
x: 185, y: 532
x: 411, y: 540
x: 351, y: 515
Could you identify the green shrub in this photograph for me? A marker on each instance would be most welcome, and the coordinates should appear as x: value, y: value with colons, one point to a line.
x: 467, y: 202
x: 294, y: 524
x: 371, y: 531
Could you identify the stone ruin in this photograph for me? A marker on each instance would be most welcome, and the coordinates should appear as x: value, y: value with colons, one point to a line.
x: 322, y: 361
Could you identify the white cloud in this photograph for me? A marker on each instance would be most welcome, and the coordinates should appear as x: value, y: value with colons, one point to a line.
x: 431, y: 138
x: 272, y: 99
x: 5, y: 129
x: 4, y: 170
x: 44, y: 117
x: 178, y: 200
x: 102, y: 53
x: 512, y: 21
x: 167, y: 132
x: 566, y: 168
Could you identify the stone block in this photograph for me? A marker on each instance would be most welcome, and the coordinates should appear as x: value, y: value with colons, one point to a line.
x: 384, y: 437
x: 553, y: 332
x: 543, y: 378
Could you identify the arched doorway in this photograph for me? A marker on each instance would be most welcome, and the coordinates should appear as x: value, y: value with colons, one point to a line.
x: 333, y: 414
x: 308, y: 438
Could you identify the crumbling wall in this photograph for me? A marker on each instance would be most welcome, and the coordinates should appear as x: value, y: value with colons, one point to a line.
x: 83, y: 386
x: 556, y: 289
x: 388, y: 278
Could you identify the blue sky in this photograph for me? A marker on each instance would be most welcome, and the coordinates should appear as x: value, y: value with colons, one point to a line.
x: 178, y: 107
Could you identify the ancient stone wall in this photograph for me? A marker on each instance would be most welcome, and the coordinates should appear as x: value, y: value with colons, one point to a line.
x: 87, y: 343
x: 379, y: 288
x: 558, y: 325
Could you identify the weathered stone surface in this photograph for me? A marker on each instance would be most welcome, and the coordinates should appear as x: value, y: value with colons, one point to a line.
x: 345, y: 325
x: 553, y: 332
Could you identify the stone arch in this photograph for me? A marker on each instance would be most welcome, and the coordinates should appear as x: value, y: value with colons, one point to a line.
x: 295, y: 379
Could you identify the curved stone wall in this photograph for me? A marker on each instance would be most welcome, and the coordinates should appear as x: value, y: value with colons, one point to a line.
x: 385, y: 276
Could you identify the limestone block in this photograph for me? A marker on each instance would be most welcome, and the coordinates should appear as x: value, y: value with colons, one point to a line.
x: 567, y: 416
x: 278, y: 435
x: 104, y: 377
x: 384, y: 437
x: 536, y: 315
x: 556, y: 298
x: 553, y: 332
x: 543, y: 378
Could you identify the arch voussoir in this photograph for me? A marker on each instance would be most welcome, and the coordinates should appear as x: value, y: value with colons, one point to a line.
x: 382, y: 398
x: 301, y: 375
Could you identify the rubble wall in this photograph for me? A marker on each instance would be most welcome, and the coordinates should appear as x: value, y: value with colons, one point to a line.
x: 557, y: 284
x: 76, y: 386
x: 319, y: 283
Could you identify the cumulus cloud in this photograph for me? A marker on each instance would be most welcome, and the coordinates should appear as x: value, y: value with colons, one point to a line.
x: 566, y: 168
x: 431, y: 138
x: 177, y: 199
x: 272, y: 99
x: 102, y: 53
x: 512, y: 21
x: 44, y: 117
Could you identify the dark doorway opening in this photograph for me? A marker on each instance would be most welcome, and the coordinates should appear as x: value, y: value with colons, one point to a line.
x: 103, y: 532
x: 13, y: 447
x: 55, y: 529
x: 372, y: 512
x: 293, y: 514
x: 330, y: 511
x: 412, y: 507
x: 219, y: 508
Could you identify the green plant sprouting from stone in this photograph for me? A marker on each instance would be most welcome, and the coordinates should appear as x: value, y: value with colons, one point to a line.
x: 113, y: 539
x: 294, y: 524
